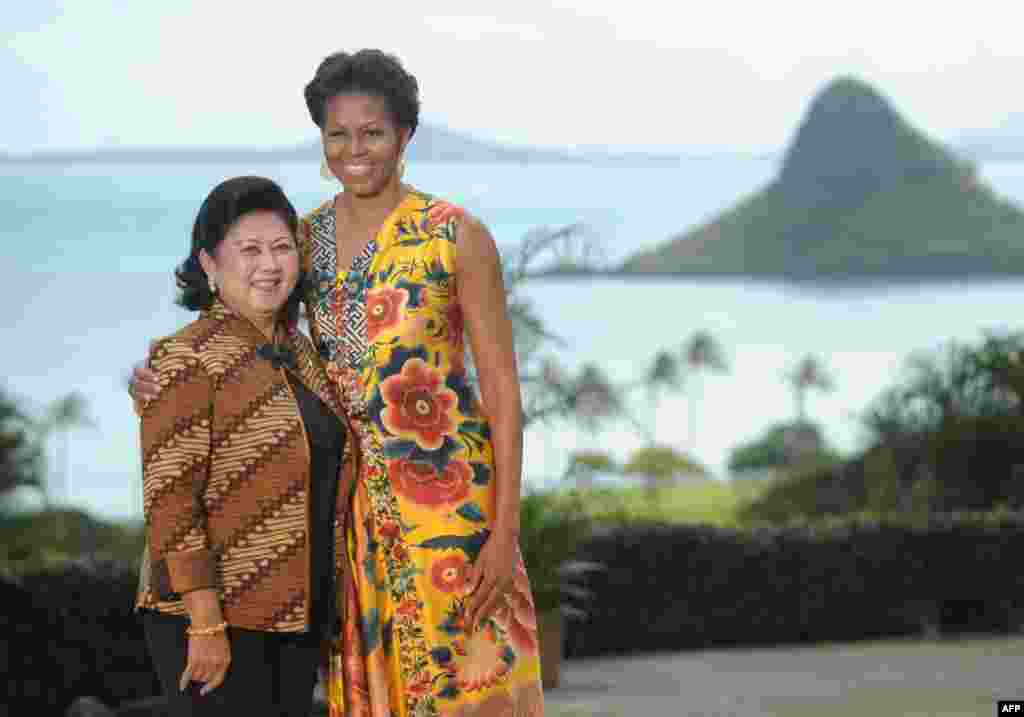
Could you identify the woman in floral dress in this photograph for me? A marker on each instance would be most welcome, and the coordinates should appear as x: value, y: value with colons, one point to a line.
x: 439, y: 618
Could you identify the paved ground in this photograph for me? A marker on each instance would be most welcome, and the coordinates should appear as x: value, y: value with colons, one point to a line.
x: 941, y: 678
x: 893, y: 678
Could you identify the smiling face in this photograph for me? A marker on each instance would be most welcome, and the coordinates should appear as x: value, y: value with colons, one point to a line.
x: 255, y: 267
x: 362, y: 143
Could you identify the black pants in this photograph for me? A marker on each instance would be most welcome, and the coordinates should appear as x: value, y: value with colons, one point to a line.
x: 271, y: 674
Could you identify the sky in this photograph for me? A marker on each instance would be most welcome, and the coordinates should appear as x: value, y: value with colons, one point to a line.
x: 644, y: 74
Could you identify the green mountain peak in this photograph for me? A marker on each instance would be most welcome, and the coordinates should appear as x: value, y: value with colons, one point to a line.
x: 852, y: 140
x: 861, y: 194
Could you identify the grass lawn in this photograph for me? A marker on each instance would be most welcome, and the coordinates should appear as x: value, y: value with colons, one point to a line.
x: 709, y: 501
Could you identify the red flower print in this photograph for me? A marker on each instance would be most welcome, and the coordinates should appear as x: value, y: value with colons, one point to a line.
x: 418, y: 405
x: 420, y: 686
x: 407, y: 608
x: 384, y: 307
x: 516, y: 614
x: 347, y: 382
x: 421, y: 483
x: 399, y: 552
x: 449, y: 574
x: 440, y: 212
x: 484, y: 664
x: 389, y: 530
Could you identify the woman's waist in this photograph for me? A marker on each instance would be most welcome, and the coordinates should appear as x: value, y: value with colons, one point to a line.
x: 276, y: 471
x: 470, y: 427
x: 250, y: 571
x: 241, y: 525
x: 267, y: 617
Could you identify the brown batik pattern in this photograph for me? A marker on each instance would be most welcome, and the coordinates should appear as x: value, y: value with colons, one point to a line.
x: 225, y: 466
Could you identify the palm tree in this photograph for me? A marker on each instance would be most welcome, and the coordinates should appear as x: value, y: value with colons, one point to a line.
x: 65, y: 415
x: 663, y: 375
x: 593, y: 399
x: 546, y: 391
x: 808, y: 374
x: 596, y: 400
x: 701, y: 353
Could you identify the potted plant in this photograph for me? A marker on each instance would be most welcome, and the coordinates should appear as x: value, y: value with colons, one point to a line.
x: 551, y: 528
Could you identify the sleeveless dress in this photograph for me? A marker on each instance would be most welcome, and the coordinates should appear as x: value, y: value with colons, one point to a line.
x: 390, y: 330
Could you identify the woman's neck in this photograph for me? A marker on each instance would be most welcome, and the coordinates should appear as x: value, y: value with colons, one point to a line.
x: 264, y: 323
x: 375, y: 208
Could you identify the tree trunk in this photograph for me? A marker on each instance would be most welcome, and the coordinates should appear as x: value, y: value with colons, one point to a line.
x: 46, y: 486
x: 65, y: 467
x: 653, y: 398
x: 62, y: 503
x: 694, y: 397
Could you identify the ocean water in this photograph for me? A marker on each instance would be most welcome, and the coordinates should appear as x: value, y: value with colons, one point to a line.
x: 92, y: 247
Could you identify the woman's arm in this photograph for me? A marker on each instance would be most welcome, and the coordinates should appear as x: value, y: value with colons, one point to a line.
x: 481, y: 295
x: 176, y: 432
x: 304, y: 241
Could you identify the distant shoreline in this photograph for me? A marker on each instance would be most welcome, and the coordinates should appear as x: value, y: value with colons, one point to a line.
x: 511, y: 155
x: 834, y: 280
x: 192, y: 155
x: 506, y: 154
x: 431, y: 143
x: 184, y: 155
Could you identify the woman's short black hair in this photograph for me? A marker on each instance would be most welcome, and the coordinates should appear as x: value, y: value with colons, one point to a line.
x: 225, y: 205
x: 371, y: 72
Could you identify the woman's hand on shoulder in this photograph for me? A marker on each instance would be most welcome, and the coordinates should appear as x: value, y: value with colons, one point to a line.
x: 144, y: 383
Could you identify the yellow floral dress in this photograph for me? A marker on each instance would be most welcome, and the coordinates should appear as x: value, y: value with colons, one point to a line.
x: 390, y: 331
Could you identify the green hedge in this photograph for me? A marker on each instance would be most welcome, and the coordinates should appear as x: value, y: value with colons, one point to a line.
x: 71, y: 631
x: 669, y: 587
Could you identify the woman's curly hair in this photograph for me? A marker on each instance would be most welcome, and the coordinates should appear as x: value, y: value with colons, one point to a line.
x: 225, y: 205
x: 371, y: 72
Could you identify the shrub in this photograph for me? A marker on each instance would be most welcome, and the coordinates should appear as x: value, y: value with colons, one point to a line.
x: 552, y: 527
x: 72, y: 632
x: 673, y: 587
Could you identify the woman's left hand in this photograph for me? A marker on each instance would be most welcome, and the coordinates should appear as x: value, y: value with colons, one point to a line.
x: 491, y: 575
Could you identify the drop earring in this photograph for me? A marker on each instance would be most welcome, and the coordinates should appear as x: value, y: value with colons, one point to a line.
x: 213, y: 285
x: 401, y: 168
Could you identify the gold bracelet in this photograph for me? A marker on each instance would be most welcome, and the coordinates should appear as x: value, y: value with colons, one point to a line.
x: 206, y: 631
